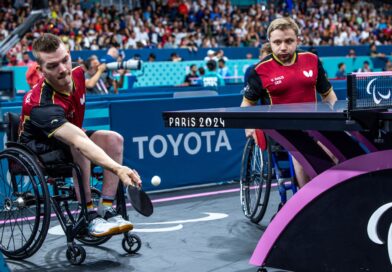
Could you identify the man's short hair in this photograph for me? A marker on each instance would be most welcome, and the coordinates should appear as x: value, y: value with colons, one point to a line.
x: 265, y: 49
x: 47, y: 43
x: 283, y: 24
x: 87, y: 63
x: 211, y: 65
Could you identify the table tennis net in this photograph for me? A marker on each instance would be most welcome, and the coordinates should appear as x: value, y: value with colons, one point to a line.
x: 370, y: 90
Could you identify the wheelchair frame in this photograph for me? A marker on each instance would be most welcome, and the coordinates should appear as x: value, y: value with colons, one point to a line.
x: 28, y: 191
x: 257, y: 170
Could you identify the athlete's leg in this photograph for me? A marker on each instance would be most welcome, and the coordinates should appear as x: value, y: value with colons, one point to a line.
x: 300, y: 174
x: 112, y: 143
x: 85, y: 167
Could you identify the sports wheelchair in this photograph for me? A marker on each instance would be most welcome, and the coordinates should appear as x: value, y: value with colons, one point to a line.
x: 29, y: 188
x: 258, y: 168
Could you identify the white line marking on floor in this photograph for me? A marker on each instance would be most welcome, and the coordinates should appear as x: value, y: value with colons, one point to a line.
x: 57, y: 230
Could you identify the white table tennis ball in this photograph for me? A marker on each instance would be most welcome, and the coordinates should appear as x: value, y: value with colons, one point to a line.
x: 156, y: 180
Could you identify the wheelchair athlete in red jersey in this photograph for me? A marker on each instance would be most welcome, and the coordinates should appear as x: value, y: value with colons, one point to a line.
x: 287, y: 75
x: 51, y: 121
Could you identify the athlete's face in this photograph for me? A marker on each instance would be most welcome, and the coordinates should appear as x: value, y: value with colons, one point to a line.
x: 56, y: 68
x: 283, y: 44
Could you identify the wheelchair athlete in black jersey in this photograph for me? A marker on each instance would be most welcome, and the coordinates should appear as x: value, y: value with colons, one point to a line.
x: 52, y: 116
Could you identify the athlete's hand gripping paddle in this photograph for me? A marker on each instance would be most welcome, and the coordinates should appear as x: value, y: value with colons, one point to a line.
x: 140, y: 201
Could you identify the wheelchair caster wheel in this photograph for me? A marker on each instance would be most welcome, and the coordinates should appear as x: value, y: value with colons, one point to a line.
x: 131, y: 243
x: 76, y: 255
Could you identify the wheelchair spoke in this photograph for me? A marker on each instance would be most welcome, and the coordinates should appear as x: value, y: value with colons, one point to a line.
x: 24, y: 204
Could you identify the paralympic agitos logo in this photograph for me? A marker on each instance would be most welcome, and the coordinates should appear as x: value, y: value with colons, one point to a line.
x: 373, y: 225
x: 377, y: 96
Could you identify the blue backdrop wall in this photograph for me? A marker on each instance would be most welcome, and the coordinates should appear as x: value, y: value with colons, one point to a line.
x: 179, y: 156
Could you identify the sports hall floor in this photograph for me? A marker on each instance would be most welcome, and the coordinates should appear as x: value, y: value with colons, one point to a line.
x: 199, y: 229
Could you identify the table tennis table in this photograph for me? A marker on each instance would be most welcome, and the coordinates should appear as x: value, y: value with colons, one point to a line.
x: 340, y: 220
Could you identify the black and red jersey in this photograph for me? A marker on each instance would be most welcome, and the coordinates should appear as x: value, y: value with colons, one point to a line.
x: 295, y: 83
x: 46, y: 109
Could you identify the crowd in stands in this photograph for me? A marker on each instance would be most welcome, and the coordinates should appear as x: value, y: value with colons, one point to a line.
x: 199, y: 23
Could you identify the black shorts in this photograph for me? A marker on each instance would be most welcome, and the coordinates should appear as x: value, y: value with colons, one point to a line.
x: 53, y: 151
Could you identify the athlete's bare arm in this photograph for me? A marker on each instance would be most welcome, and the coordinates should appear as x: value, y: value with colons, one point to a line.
x: 75, y: 137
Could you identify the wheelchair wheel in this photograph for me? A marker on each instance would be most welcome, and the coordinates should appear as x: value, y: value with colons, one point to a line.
x: 24, y: 204
x: 76, y: 254
x: 131, y: 243
x: 255, y: 180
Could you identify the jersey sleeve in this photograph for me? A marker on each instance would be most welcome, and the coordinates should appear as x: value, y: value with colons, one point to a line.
x: 48, y: 118
x: 323, y: 86
x: 253, y: 90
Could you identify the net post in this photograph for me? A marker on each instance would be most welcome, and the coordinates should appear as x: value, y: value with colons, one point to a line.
x: 351, y: 92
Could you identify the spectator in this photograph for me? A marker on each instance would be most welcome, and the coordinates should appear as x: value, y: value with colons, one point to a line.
x: 33, y: 75
x: 131, y: 42
x: 351, y: 53
x: 388, y: 66
x: 341, y: 73
x: 212, y: 78
x: 99, y: 82
x: 249, y: 56
x: 170, y: 42
x: 12, y: 59
x: 374, y: 53
x: 365, y: 67
x: 265, y: 51
x: 223, y: 70
x: 191, y: 78
x: 96, y: 82
x: 136, y: 57
x: 210, y: 56
x: 174, y: 57
x: 111, y: 55
x: 220, y: 54
x: 202, y: 71
x: 26, y: 61
x: 151, y: 57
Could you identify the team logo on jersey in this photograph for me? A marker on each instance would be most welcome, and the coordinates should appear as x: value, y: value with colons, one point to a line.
x: 28, y: 97
x: 308, y: 73
x: 54, y: 121
x: 82, y: 100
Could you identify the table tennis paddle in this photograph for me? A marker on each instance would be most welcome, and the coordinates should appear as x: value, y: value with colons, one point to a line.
x: 140, y: 201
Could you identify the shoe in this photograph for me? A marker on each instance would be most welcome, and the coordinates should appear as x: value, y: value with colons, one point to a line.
x: 112, y: 217
x: 100, y: 227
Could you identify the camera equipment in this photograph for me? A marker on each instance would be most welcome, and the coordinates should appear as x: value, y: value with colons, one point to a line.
x: 126, y: 65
